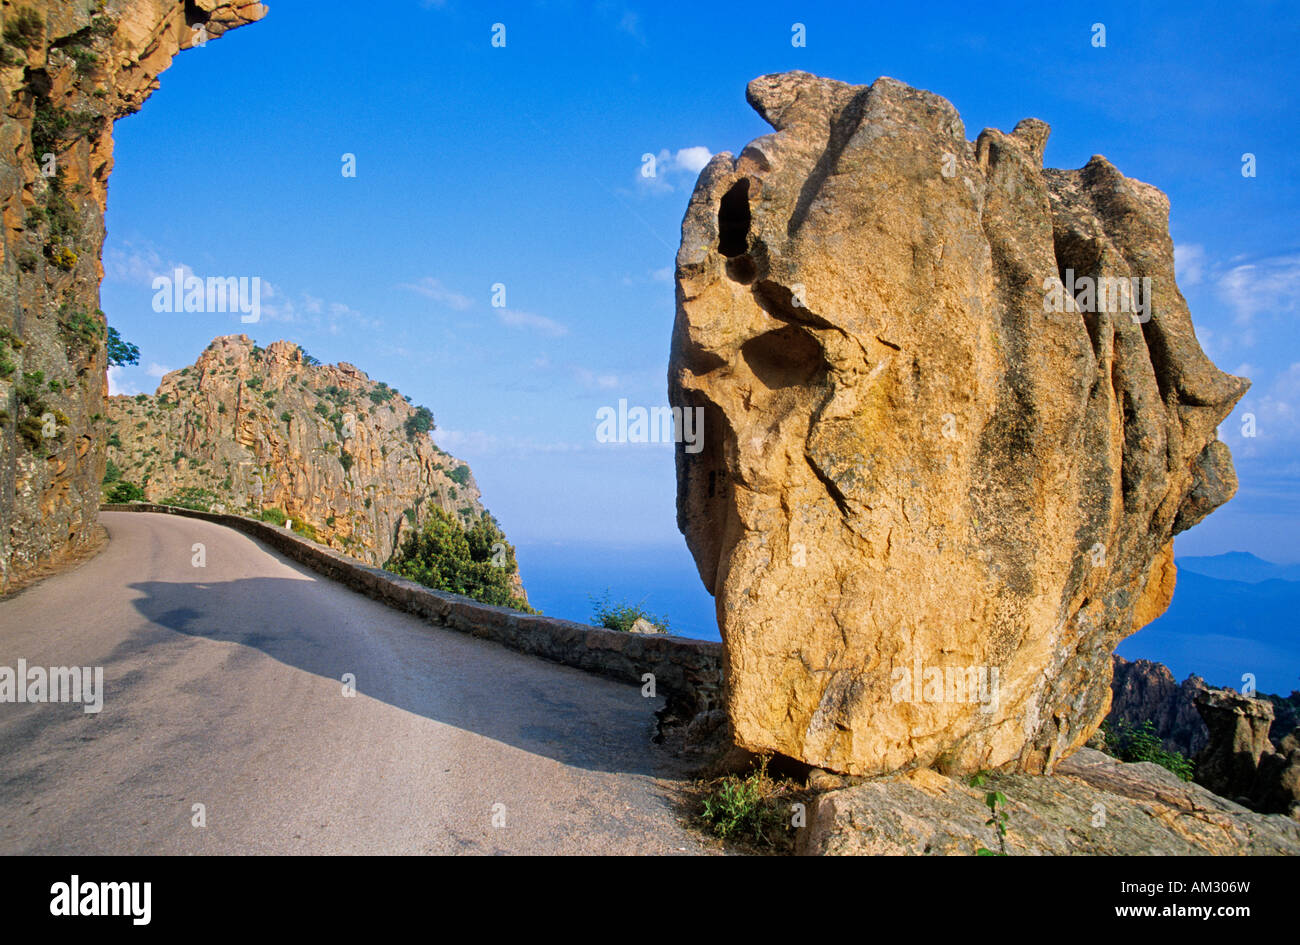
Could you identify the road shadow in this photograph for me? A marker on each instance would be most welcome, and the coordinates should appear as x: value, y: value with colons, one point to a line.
x: 554, y: 711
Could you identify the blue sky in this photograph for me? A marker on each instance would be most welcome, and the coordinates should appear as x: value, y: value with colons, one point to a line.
x: 521, y: 166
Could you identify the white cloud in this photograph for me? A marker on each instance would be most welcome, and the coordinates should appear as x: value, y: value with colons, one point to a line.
x: 693, y: 159
x: 434, y: 289
x: 1189, y: 263
x: 671, y: 170
x: 116, y: 385
x: 1269, y: 286
x: 516, y: 318
x: 157, y: 370
x: 663, y: 275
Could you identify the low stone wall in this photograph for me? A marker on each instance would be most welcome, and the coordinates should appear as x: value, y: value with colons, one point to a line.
x: 688, y: 673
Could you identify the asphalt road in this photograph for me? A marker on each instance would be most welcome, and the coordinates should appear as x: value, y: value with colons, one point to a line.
x: 222, y: 687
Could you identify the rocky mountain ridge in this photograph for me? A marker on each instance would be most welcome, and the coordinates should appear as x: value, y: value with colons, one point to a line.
x: 349, y: 461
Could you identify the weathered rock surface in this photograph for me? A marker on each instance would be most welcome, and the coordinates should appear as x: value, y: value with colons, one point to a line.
x: 911, y: 466
x: 1092, y: 804
x: 75, y: 68
x: 1240, y: 761
x: 1143, y: 691
x: 253, y: 429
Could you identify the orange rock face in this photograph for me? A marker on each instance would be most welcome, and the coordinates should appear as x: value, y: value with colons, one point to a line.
x: 955, y: 413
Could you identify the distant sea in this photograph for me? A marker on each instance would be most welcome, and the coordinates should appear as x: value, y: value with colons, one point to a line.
x: 1232, y: 614
x: 662, y: 579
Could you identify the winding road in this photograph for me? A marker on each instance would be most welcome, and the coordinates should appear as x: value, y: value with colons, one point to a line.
x: 223, y: 689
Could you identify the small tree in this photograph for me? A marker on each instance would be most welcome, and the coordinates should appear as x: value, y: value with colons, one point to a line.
x: 126, y: 492
x: 476, y: 561
x: 419, y: 422
x: 121, y: 352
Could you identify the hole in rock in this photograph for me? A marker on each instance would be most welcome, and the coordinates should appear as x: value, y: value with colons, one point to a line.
x: 786, y: 357
x: 734, y: 219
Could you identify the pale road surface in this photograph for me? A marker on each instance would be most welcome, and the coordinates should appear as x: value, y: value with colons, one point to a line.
x: 222, y: 688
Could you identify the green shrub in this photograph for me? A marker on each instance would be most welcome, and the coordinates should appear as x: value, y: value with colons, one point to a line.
x: 476, y: 561
x: 126, y: 492
x: 621, y: 616
x: 1141, y: 743
x: 753, y: 808
x: 112, y: 472
x: 80, y: 330
x: 286, y: 417
x: 419, y: 422
x: 32, y: 432
x: 459, y: 475
x: 274, y: 516
x: 24, y: 28
x: 83, y: 57
x: 192, y: 497
x: 345, y: 460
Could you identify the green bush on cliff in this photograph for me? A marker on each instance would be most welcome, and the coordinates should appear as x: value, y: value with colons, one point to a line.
x: 420, y: 422
x: 24, y: 28
x: 274, y: 516
x: 125, y: 492
x: 1141, y: 743
x: 476, y: 561
x: 192, y: 497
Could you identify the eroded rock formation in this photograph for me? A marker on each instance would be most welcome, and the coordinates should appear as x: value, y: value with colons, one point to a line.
x: 928, y: 505
x: 67, y: 71
x: 249, y: 429
x: 1143, y: 691
x: 1240, y: 761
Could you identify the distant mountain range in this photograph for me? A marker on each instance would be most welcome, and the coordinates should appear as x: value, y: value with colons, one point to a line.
x: 1232, y: 614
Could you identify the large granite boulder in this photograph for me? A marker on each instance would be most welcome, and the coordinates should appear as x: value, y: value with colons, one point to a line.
x: 941, y: 472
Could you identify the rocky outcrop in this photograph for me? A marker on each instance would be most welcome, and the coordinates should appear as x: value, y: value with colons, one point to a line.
x: 250, y: 429
x: 67, y: 71
x: 1092, y: 805
x: 1240, y: 761
x: 1143, y: 691
x: 941, y: 472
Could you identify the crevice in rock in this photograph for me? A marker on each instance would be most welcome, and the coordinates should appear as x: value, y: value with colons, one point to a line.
x: 734, y: 220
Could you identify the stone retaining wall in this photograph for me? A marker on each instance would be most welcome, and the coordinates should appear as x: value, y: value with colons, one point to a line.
x: 688, y: 673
